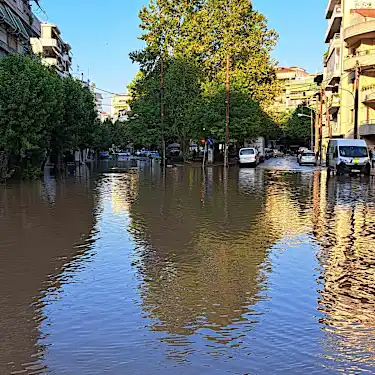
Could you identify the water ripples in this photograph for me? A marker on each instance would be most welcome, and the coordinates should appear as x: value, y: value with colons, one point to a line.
x: 239, y: 271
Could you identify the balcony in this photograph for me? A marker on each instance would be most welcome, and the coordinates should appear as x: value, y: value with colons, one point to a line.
x: 51, y: 45
x: 365, y: 59
x: 367, y: 128
x: 330, y: 7
x: 334, y: 23
x: 334, y: 43
x: 35, y: 26
x: 361, y: 30
x: 333, y: 76
x: 334, y: 104
x: 6, y: 47
x: 368, y: 95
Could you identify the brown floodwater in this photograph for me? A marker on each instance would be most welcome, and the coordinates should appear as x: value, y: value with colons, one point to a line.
x: 239, y: 271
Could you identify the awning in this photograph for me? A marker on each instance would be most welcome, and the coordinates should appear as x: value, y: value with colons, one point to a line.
x: 13, y: 21
x: 5, y: 17
x: 364, y: 12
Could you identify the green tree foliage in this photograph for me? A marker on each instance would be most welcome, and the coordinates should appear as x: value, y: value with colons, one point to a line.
x: 41, y: 114
x: 183, y: 93
x: 30, y: 107
x: 298, y: 128
x: 232, y: 27
x: 193, y: 39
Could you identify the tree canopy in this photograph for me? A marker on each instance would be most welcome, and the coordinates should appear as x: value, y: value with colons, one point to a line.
x: 192, y: 40
x: 41, y: 114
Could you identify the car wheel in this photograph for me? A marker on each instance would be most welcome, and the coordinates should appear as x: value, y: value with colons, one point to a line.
x: 339, y: 171
x: 367, y: 171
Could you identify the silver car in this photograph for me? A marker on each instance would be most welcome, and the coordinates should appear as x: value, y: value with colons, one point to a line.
x: 307, y: 157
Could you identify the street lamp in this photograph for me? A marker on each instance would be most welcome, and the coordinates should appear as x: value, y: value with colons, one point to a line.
x: 311, y: 117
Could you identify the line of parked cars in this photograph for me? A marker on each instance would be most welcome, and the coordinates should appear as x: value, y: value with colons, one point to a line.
x: 147, y: 154
x: 252, y: 157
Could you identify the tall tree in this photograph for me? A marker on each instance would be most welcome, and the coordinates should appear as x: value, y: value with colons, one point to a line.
x: 227, y: 39
x: 182, y: 104
x: 222, y: 28
x: 31, y: 100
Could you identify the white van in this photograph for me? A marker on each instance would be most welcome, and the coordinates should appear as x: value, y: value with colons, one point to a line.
x: 249, y: 156
x: 348, y: 156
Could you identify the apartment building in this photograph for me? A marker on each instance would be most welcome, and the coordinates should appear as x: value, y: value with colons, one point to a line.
x: 120, y: 107
x: 52, y: 48
x: 350, y: 37
x: 17, y: 25
x: 99, y: 102
x: 299, y: 88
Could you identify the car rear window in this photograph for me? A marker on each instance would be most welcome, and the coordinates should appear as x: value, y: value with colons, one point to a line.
x: 247, y: 151
x: 308, y: 154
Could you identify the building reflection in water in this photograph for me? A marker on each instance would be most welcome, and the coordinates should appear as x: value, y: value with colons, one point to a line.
x: 43, y: 228
x: 346, y: 210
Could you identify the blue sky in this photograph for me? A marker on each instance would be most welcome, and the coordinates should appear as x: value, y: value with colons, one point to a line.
x: 102, y: 33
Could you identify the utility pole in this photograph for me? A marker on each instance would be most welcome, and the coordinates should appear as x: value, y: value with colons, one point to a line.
x: 321, y: 127
x: 312, y: 130
x: 227, y: 100
x: 162, y: 106
x: 316, y: 146
x: 356, y: 100
x: 328, y: 119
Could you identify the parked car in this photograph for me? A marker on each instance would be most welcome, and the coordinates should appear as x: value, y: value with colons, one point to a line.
x: 248, y: 156
x: 348, y: 156
x: 269, y: 153
x: 174, y: 151
x: 104, y: 155
x: 277, y: 153
x: 307, y: 157
x: 154, y: 155
x: 121, y: 156
x: 300, y: 151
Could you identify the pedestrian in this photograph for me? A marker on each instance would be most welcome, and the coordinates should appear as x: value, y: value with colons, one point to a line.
x: 372, y: 155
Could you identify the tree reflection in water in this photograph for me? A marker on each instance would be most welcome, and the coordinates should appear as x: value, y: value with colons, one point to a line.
x: 43, y: 228
x: 203, y: 267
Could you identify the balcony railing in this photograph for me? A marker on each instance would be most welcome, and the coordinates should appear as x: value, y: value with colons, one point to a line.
x: 367, y: 127
x: 335, y: 73
x: 330, y: 8
x: 364, y: 59
x: 368, y: 122
x: 359, y: 30
x: 335, y: 101
x: 368, y: 93
x: 334, y: 23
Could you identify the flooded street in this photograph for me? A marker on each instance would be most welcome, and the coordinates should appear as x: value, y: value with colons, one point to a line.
x: 244, y: 271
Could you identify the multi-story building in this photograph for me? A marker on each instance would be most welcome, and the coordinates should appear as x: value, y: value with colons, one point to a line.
x: 99, y: 102
x: 351, y: 38
x: 53, y: 50
x: 120, y: 107
x: 17, y: 25
x: 299, y: 89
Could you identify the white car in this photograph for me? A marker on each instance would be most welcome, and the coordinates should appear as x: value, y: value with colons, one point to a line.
x: 307, y: 157
x: 248, y: 156
x: 300, y: 151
